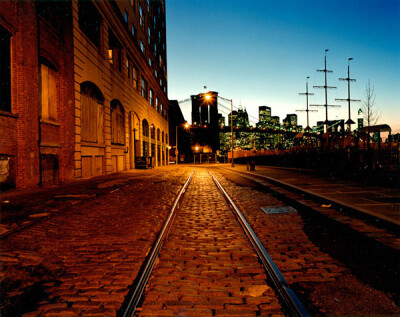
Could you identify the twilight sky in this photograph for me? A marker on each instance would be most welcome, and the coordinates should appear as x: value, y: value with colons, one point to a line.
x: 259, y: 52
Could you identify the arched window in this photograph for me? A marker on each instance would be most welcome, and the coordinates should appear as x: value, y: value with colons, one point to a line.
x: 153, y: 131
x: 158, y: 134
x: 117, y: 123
x: 92, y: 113
x: 145, y: 128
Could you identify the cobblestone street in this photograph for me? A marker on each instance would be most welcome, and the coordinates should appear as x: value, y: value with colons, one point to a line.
x: 208, y: 266
x: 82, y: 258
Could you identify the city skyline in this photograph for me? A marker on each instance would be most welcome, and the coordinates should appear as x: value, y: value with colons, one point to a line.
x: 261, y: 54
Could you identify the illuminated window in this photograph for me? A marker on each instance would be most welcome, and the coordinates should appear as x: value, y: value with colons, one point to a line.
x: 134, y: 77
x: 157, y: 106
x: 127, y: 66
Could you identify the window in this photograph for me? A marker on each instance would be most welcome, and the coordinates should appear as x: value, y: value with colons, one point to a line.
x: 126, y: 17
x: 166, y: 138
x: 150, y: 63
x: 145, y: 131
x: 161, y: 109
x: 155, y: 50
x: 144, y: 89
x: 92, y: 113
x: 48, y: 92
x: 89, y: 21
x: 155, y: 73
x: 158, y: 134
x: 151, y: 98
x: 128, y: 66
x: 114, y: 51
x: 117, y: 123
x: 145, y: 128
x: 134, y: 77
x: 157, y: 107
x: 5, y: 70
x: 141, y: 22
x: 142, y: 46
x: 162, y: 137
x: 149, y: 34
x: 148, y: 5
x: 152, y: 132
x: 160, y: 82
x: 133, y: 30
x: 155, y: 21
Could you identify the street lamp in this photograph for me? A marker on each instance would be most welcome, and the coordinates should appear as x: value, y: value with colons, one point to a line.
x: 186, y: 126
x: 208, y: 97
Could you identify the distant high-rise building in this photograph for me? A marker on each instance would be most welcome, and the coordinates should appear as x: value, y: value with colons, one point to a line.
x: 264, y: 114
x: 290, y: 122
x: 275, y: 121
x: 240, y: 118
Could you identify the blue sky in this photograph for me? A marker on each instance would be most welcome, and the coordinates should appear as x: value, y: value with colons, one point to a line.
x: 259, y: 52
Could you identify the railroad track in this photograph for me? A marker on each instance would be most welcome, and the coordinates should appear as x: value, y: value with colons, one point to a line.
x: 289, y: 302
x: 365, y: 251
x: 299, y: 198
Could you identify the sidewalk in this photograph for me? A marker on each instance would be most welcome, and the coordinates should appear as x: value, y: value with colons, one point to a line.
x: 381, y: 202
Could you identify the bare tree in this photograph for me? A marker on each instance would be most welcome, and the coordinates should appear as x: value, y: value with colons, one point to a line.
x: 371, y: 112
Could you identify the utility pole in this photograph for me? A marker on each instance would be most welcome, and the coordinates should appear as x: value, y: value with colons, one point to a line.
x: 307, y: 110
x: 326, y: 98
x: 348, y: 79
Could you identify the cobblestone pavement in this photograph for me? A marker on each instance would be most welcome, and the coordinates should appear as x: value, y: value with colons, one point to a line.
x: 82, y: 260
x: 330, y: 286
x: 207, y: 267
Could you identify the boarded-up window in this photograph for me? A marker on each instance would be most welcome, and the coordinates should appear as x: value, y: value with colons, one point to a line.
x: 48, y: 77
x: 92, y: 114
x: 117, y: 123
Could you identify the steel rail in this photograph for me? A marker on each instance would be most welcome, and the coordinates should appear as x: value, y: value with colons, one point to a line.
x: 148, y: 265
x: 288, y: 297
x: 362, y: 212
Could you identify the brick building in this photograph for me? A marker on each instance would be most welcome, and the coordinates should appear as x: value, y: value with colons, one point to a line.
x: 36, y: 94
x: 83, y: 88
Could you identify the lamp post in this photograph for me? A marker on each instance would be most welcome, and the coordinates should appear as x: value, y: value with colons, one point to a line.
x: 208, y: 97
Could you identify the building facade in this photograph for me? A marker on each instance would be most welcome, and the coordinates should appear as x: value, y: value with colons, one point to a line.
x: 120, y: 78
x: 83, y: 88
x: 36, y: 93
